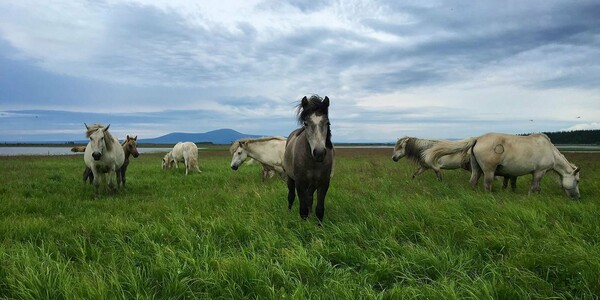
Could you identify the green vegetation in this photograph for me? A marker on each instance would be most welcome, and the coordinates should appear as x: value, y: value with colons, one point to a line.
x: 575, y: 137
x: 225, y: 234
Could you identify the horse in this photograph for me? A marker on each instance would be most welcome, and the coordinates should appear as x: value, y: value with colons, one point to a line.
x: 415, y: 148
x: 103, y: 154
x: 309, y: 156
x: 512, y: 155
x: 267, y: 150
x: 186, y: 152
x: 129, y: 148
x: 78, y: 149
x: 443, y: 154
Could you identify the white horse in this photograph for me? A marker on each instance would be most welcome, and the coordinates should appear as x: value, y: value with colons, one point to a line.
x: 186, y: 152
x: 415, y: 150
x: 267, y: 150
x: 512, y: 155
x: 103, y: 154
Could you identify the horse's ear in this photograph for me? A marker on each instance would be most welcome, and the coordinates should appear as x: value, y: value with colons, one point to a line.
x: 106, y: 128
x: 576, y: 171
x: 304, y: 102
x: 127, y: 139
x: 326, y: 101
x: 135, y: 138
x: 243, y: 144
x: 86, y: 127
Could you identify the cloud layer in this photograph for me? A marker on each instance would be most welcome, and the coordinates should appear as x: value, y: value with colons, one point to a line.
x: 426, y: 68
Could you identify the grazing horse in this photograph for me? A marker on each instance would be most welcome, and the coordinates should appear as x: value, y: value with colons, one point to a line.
x: 309, y: 156
x: 415, y: 149
x: 129, y: 148
x: 442, y: 154
x: 186, y: 152
x: 267, y: 150
x: 103, y: 154
x: 512, y: 155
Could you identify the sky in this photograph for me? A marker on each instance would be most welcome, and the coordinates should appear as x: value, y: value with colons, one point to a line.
x: 428, y: 69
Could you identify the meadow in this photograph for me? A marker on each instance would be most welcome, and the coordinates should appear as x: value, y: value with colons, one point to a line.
x: 222, y: 234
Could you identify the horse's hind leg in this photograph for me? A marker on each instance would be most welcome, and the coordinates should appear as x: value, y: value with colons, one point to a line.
x: 87, y: 174
x: 488, y: 180
x: 505, y: 182
x: 513, y: 183
x: 321, y: 193
x: 291, y: 192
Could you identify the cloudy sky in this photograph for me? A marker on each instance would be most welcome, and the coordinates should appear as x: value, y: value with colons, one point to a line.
x: 432, y: 69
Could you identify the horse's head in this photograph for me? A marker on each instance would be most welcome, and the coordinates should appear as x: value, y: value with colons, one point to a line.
x: 400, y: 149
x: 313, y: 114
x: 166, y: 162
x: 570, y: 182
x: 131, y: 146
x: 239, y: 154
x: 97, y: 136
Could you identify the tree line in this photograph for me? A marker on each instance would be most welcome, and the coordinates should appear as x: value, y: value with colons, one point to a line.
x: 575, y: 137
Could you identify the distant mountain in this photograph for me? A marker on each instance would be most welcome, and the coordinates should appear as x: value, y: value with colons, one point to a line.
x: 220, y: 136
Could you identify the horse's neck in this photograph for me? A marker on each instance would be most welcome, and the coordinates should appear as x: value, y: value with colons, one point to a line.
x: 126, y: 151
x: 258, y: 151
x: 418, y: 146
x: 561, y: 164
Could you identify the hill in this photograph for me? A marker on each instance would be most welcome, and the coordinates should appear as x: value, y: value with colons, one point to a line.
x: 220, y: 136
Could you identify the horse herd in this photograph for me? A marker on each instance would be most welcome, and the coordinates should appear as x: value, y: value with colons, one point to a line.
x: 306, y: 158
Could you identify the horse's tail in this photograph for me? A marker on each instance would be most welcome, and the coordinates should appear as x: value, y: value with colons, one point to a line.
x: 475, y: 167
x: 443, y: 148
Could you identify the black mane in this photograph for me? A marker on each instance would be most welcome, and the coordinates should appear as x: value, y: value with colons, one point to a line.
x: 315, y: 106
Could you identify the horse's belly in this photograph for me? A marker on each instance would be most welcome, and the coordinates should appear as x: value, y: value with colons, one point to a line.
x: 512, y: 170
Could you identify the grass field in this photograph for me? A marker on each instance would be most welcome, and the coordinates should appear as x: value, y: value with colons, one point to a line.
x: 225, y: 234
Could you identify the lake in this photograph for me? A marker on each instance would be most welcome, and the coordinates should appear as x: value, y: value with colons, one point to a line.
x: 8, y: 151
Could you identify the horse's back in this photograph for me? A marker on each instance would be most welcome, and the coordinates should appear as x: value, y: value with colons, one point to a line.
x: 513, y: 154
x: 189, y: 150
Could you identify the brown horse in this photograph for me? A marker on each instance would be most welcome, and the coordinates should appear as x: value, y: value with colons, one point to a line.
x: 309, y: 156
x: 130, y: 148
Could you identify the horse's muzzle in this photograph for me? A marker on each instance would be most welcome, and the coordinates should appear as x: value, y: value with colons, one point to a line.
x: 319, y: 155
x: 135, y: 154
x: 395, y: 158
x: 97, y: 155
x: 234, y: 167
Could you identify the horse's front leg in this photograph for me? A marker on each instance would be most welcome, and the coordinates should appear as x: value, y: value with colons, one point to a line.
x: 505, y: 182
x: 96, y: 181
x: 291, y: 184
x: 111, y: 184
x: 438, y: 174
x: 536, y: 182
x: 321, y: 193
x: 305, y: 195
x: 420, y: 170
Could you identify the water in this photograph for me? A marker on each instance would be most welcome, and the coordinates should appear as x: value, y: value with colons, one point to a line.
x: 8, y: 151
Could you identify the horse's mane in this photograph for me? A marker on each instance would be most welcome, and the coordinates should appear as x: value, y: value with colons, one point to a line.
x: 315, y: 106
x: 108, y: 138
x: 237, y: 143
x: 415, y: 147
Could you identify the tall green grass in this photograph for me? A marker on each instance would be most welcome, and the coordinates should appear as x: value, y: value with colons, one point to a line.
x: 226, y: 234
